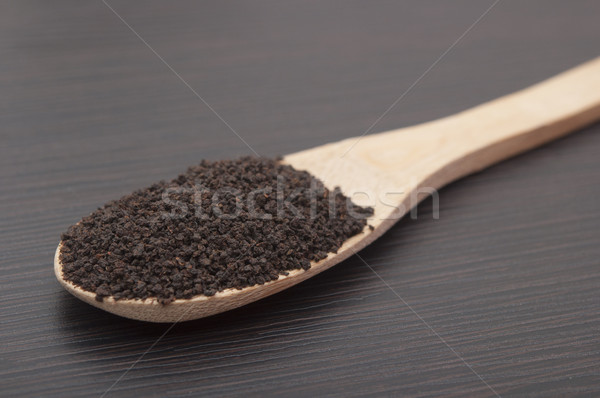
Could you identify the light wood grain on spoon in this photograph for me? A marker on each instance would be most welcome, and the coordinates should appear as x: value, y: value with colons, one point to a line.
x: 388, y: 170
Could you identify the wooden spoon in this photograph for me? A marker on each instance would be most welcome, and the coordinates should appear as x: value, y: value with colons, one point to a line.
x: 391, y: 171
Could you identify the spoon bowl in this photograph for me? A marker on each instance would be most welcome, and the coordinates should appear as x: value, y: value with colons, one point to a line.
x: 393, y: 171
x: 201, y: 306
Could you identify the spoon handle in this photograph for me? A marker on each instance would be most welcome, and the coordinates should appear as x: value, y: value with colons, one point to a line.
x: 455, y: 146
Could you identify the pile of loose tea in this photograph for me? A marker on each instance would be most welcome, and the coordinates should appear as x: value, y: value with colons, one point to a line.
x: 224, y: 224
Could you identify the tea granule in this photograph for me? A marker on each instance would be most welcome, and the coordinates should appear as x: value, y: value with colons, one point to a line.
x: 223, y: 224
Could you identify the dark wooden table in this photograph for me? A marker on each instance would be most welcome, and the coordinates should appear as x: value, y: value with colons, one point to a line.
x: 499, y: 296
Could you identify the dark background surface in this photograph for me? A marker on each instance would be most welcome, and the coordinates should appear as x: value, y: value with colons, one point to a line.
x: 504, y: 285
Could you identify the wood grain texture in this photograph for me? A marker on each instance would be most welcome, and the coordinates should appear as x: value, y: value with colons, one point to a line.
x: 507, y: 276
